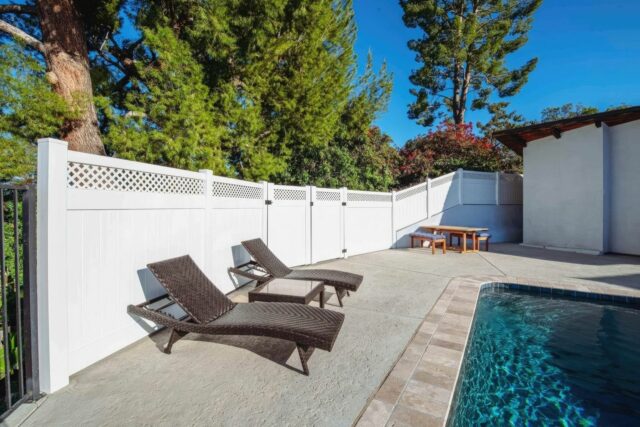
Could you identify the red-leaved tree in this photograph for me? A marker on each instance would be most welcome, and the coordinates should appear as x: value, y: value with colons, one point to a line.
x: 450, y: 147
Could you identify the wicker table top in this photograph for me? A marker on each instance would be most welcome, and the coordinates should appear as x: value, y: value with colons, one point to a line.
x: 287, y: 290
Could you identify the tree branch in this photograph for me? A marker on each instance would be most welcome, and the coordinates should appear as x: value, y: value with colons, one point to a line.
x: 18, y: 34
x: 18, y: 9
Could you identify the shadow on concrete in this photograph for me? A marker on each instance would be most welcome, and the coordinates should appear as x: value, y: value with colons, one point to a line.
x: 273, y: 349
x: 626, y: 280
x: 563, y: 256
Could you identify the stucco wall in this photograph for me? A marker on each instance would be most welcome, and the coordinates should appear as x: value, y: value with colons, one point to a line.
x: 625, y: 188
x: 564, y: 191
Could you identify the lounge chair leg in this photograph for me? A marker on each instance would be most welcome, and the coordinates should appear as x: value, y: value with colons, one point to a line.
x: 486, y: 246
x: 305, y: 353
x: 339, y: 295
x: 175, y: 336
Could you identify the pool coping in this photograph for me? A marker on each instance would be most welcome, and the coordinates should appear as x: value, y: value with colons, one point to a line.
x: 419, y: 390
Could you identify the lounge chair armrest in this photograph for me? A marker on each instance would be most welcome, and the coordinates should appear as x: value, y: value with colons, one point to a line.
x: 155, y: 316
x: 248, y: 275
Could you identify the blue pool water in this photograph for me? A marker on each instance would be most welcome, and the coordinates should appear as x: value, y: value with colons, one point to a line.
x: 549, y: 361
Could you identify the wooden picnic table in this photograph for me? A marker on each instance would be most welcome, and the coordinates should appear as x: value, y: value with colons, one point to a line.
x: 461, y: 232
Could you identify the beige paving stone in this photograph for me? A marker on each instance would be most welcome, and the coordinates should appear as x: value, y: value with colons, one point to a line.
x: 448, y: 344
x: 462, y: 309
x: 414, y: 351
x: 421, y: 338
x: 444, y: 356
x: 376, y: 414
x: 404, y: 368
x: 426, y: 398
x: 428, y: 327
x: 435, y: 369
x: 454, y: 329
x: 456, y: 336
x: 390, y: 390
x: 403, y: 416
x: 433, y: 318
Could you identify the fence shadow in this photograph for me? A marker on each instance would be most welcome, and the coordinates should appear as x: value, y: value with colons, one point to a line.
x: 565, y: 256
x: 151, y: 288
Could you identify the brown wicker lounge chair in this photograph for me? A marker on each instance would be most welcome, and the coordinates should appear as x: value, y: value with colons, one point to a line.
x: 209, y: 311
x: 267, y: 261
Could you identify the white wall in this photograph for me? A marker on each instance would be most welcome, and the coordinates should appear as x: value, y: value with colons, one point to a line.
x: 101, y: 220
x: 582, y: 191
x: 564, y: 191
x: 625, y: 188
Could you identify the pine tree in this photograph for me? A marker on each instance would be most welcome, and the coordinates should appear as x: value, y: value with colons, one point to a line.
x: 462, y: 53
x: 280, y: 74
x: 169, y: 119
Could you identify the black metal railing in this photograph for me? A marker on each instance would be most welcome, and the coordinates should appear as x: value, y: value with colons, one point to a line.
x: 18, y: 319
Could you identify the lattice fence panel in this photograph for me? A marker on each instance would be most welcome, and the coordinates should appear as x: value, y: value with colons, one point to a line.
x: 93, y: 177
x: 368, y: 197
x: 289, y: 194
x: 510, y: 189
x: 236, y: 191
x: 327, y: 196
x: 421, y: 188
x: 443, y: 180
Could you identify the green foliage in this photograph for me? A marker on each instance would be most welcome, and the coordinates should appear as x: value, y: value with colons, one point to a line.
x: 500, y: 119
x: 448, y: 148
x: 28, y: 110
x: 11, y: 276
x: 462, y: 53
x: 169, y: 117
x: 565, y: 111
x: 278, y: 78
x: 360, y: 156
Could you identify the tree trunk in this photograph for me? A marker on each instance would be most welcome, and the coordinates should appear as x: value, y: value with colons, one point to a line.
x: 464, y: 93
x: 66, y: 54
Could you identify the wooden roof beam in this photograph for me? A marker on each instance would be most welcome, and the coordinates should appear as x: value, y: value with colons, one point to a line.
x: 557, y: 133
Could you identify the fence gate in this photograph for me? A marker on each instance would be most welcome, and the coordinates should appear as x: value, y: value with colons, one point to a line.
x: 288, y: 223
x: 18, y: 321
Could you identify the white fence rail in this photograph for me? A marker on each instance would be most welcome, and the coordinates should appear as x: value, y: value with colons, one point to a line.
x: 101, y: 220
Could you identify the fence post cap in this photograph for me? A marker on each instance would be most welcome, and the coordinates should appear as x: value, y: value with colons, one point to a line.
x: 206, y: 171
x: 53, y: 141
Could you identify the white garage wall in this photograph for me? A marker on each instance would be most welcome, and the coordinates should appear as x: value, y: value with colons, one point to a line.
x: 101, y: 220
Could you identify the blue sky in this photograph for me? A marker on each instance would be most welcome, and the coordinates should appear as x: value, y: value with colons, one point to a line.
x: 588, y: 52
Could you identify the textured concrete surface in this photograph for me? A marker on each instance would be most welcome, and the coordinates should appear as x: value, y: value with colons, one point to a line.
x: 237, y: 381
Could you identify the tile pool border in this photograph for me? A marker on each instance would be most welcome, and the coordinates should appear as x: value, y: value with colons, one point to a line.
x: 420, y: 388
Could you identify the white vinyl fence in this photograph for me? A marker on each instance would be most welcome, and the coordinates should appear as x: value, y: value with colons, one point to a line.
x: 101, y: 220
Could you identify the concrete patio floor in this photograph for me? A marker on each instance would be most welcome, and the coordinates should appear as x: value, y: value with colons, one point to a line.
x: 237, y: 381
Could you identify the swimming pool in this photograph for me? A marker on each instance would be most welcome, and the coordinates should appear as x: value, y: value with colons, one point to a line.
x: 537, y: 359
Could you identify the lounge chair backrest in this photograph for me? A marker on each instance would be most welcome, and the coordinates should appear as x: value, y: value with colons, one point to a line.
x: 191, y: 289
x: 267, y: 259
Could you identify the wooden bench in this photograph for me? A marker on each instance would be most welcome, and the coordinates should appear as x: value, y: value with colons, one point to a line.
x: 432, y: 238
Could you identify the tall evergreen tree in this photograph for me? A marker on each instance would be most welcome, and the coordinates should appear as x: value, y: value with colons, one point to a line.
x: 463, y: 51
x: 169, y: 119
x: 280, y: 73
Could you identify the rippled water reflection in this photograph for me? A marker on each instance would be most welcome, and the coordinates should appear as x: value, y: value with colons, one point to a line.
x: 542, y: 360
